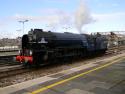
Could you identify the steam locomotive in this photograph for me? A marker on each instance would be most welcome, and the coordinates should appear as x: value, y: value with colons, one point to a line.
x: 39, y: 47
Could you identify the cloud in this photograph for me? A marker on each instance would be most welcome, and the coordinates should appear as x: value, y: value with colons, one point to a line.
x: 51, y: 11
x: 21, y: 17
x: 60, y: 18
x: 50, y: 1
x: 61, y: 1
x: 105, y: 3
x: 109, y: 16
x: 3, y: 23
x: 51, y: 16
x: 54, y: 19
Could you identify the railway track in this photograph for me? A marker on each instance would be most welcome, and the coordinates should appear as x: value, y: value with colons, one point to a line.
x: 7, y: 71
x: 12, y: 70
x: 9, y: 67
x: 7, y: 61
x: 15, y: 74
x: 115, y: 49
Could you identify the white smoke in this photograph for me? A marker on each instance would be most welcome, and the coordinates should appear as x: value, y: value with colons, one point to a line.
x: 82, y: 16
x: 55, y: 18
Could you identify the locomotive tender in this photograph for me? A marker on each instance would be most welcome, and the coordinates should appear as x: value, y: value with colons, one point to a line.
x: 39, y: 47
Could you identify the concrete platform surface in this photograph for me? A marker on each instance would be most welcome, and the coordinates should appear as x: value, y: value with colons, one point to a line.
x: 104, y: 78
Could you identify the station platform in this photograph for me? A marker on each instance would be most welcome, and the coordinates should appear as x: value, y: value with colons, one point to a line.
x: 104, y: 78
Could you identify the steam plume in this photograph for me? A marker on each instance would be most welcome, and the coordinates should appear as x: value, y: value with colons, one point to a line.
x: 82, y: 16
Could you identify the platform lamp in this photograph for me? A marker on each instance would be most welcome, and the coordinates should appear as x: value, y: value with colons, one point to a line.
x: 23, y: 21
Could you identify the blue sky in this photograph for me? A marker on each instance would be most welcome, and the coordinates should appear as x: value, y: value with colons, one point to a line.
x: 59, y: 15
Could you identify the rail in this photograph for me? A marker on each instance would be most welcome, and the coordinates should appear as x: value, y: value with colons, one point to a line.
x: 9, y: 48
x: 18, y: 69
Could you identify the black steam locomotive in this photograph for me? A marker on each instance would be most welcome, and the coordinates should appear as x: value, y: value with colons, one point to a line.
x: 39, y: 47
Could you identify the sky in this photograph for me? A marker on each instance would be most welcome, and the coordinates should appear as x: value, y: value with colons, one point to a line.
x: 76, y: 16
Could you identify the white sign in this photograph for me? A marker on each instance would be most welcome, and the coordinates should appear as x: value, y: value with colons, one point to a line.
x: 43, y: 40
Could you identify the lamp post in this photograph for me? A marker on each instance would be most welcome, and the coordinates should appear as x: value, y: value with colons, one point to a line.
x: 23, y: 21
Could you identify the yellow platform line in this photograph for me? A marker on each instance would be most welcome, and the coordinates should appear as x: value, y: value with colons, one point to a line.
x: 76, y: 76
